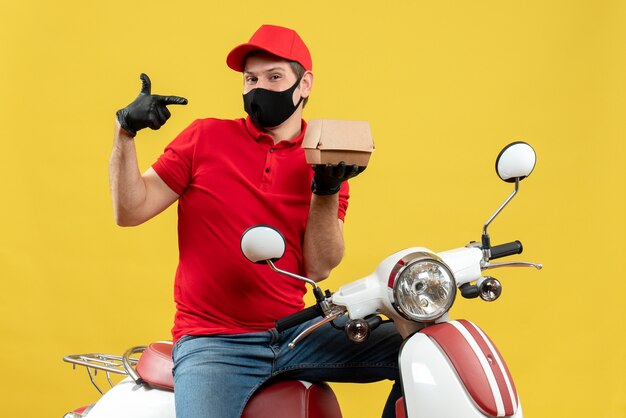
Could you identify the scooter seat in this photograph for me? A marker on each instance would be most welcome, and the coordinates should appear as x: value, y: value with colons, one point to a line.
x: 155, y: 365
x: 293, y: 398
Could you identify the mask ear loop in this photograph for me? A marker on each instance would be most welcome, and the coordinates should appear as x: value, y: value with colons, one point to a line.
x: 296, y: 85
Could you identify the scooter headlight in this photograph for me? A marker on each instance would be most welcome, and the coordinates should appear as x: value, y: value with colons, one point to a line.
x: 422, y: 287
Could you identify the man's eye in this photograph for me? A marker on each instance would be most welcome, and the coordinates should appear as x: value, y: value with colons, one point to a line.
x: 251, y: 80
x: 275, y: 77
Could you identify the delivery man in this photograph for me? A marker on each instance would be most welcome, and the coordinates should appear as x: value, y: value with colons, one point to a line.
x: 226, y: 176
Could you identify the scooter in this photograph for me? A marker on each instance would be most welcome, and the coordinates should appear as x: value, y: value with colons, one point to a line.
x: 448, y: 368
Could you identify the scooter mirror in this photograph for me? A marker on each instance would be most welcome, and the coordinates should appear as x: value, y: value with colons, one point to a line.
x: 515, y: 161
x: 260, y: 243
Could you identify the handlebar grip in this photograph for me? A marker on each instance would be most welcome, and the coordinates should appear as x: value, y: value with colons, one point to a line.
x: 503, y: 250
x: 298, y: 318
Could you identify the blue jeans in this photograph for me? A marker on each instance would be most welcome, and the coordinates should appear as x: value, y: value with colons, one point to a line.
x: 215, y: 375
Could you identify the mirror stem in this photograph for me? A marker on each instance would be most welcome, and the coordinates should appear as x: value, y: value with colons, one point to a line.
x: 486, y: 241
x: 506, y: 202
x: 295, y: 276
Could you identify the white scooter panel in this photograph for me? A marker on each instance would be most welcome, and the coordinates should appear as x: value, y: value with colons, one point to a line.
x: 453, y: 370
x: 129, y: 400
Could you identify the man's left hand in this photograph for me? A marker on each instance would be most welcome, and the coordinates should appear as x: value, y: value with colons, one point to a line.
x: 328, y: 177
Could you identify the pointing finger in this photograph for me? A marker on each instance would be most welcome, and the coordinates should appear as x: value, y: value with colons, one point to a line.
x: 146, y: 85
x: 172, y: 100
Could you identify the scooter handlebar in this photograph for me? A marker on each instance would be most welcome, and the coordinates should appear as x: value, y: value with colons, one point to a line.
x: 503, y: 250
x: 298, y: 318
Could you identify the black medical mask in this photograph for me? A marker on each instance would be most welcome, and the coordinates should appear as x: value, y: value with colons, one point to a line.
x: 268, y: 108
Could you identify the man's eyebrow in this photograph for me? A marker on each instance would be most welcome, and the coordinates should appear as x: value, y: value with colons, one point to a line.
x: 269, y: 70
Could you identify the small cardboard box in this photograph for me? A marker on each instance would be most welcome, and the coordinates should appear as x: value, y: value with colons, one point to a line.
x: 333, y: 141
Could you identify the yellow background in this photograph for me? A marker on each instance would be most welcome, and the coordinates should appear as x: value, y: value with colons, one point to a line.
x: 444, y: 84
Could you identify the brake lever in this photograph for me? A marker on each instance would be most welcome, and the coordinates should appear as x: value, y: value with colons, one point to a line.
x: 488, y: 266
x: 331, y: 316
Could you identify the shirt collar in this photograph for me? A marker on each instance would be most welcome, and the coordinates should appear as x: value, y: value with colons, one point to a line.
x: 261, y: 136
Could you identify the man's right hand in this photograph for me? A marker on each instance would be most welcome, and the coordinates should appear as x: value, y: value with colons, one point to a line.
x: 148, y: 110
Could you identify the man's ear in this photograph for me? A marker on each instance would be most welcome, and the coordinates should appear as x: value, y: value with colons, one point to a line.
x: 306, y: 84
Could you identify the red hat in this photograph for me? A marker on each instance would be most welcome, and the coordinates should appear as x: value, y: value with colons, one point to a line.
x: 276, y: 40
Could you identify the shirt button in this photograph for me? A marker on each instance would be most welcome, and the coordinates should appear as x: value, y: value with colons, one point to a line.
x: 267, y: 170
x: 271, y: 149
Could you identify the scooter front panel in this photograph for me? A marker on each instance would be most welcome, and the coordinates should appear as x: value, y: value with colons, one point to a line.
x: 478, y: 365
x: 432, y: 389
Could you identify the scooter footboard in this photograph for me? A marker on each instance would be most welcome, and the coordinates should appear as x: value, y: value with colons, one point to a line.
x: 453, y: 369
